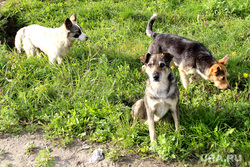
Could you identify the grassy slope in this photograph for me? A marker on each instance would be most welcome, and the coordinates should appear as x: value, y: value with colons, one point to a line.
x: 91, y: 94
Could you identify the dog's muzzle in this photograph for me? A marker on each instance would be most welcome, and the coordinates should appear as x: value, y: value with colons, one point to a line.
x: 83, y: 37
x: 156, y: 76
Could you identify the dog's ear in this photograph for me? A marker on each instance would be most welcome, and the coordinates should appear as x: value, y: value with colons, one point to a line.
x: 224, y: 60
x: 68, y: 24
x: 215, y: 69
x: 168, y: 56
x: 145, y: 58
x: 73, y: 18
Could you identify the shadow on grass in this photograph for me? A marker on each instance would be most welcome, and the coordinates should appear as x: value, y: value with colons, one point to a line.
x: 10, y: 25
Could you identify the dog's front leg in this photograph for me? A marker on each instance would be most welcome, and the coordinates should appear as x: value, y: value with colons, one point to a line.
x: 59, y: 60
x: 175, y: 114
x: 151, y: 125
x: 183, y: 75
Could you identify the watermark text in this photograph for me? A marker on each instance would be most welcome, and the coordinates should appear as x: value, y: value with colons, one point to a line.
x: 220, y: 158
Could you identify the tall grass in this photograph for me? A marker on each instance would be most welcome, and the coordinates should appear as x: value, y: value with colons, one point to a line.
x: 90, y: 95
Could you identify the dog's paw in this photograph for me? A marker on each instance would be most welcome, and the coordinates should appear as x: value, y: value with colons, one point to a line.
x: 153, y: 145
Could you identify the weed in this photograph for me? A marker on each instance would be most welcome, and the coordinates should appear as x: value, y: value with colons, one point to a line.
x: 3, y: 152
x: 44, y: 158
x: 30, y: 149
x: 7, y: 165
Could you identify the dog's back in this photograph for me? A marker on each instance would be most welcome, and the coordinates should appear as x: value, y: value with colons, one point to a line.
x: 49, y: 40
x: 182, y: 48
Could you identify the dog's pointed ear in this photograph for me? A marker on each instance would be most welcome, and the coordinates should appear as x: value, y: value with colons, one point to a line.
x: 145, y: 58
x: 224, y: 60
x: 168, y: 56
x: 73, y: 18
x: 68, y: 24
x: 214, y: 69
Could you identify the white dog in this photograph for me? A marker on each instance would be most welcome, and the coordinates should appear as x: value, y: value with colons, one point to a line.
x: 54, y: 42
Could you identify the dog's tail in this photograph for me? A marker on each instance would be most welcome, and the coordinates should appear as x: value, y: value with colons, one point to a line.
x: 19, y: 38
x: 149, y: 30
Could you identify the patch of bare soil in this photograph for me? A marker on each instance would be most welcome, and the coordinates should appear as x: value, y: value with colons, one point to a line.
x: 14, y: 153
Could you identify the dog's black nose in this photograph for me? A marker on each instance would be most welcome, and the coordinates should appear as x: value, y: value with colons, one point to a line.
x: 156, y: 76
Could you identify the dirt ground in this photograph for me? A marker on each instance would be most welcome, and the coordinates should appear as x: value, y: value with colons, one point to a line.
x: 13, y: 153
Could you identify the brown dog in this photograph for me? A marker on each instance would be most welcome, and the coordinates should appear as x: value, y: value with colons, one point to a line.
x: 190, y: 56
x: 161, y: 93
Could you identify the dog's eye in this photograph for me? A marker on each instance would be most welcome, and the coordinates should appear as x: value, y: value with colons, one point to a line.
x: 150, y: 65
x: 162, y: 65
x: 78, y: 33
x: 223, y: 78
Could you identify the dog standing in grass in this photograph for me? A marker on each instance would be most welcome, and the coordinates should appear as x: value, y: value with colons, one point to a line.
x: 161, y: 94
x: 54, y: 42
x: 190, y: 56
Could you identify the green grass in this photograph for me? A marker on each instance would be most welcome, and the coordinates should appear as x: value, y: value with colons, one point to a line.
x: 90, y: 95
x: 44, y: 158
x: 30, y: 149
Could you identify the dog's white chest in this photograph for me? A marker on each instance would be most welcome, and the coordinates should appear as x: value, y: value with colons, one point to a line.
x: 161, y: 107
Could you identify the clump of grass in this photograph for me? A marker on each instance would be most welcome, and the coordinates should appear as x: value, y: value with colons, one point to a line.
x: 2, y: 152
x: 44, y: 158
x: 30, y: 149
